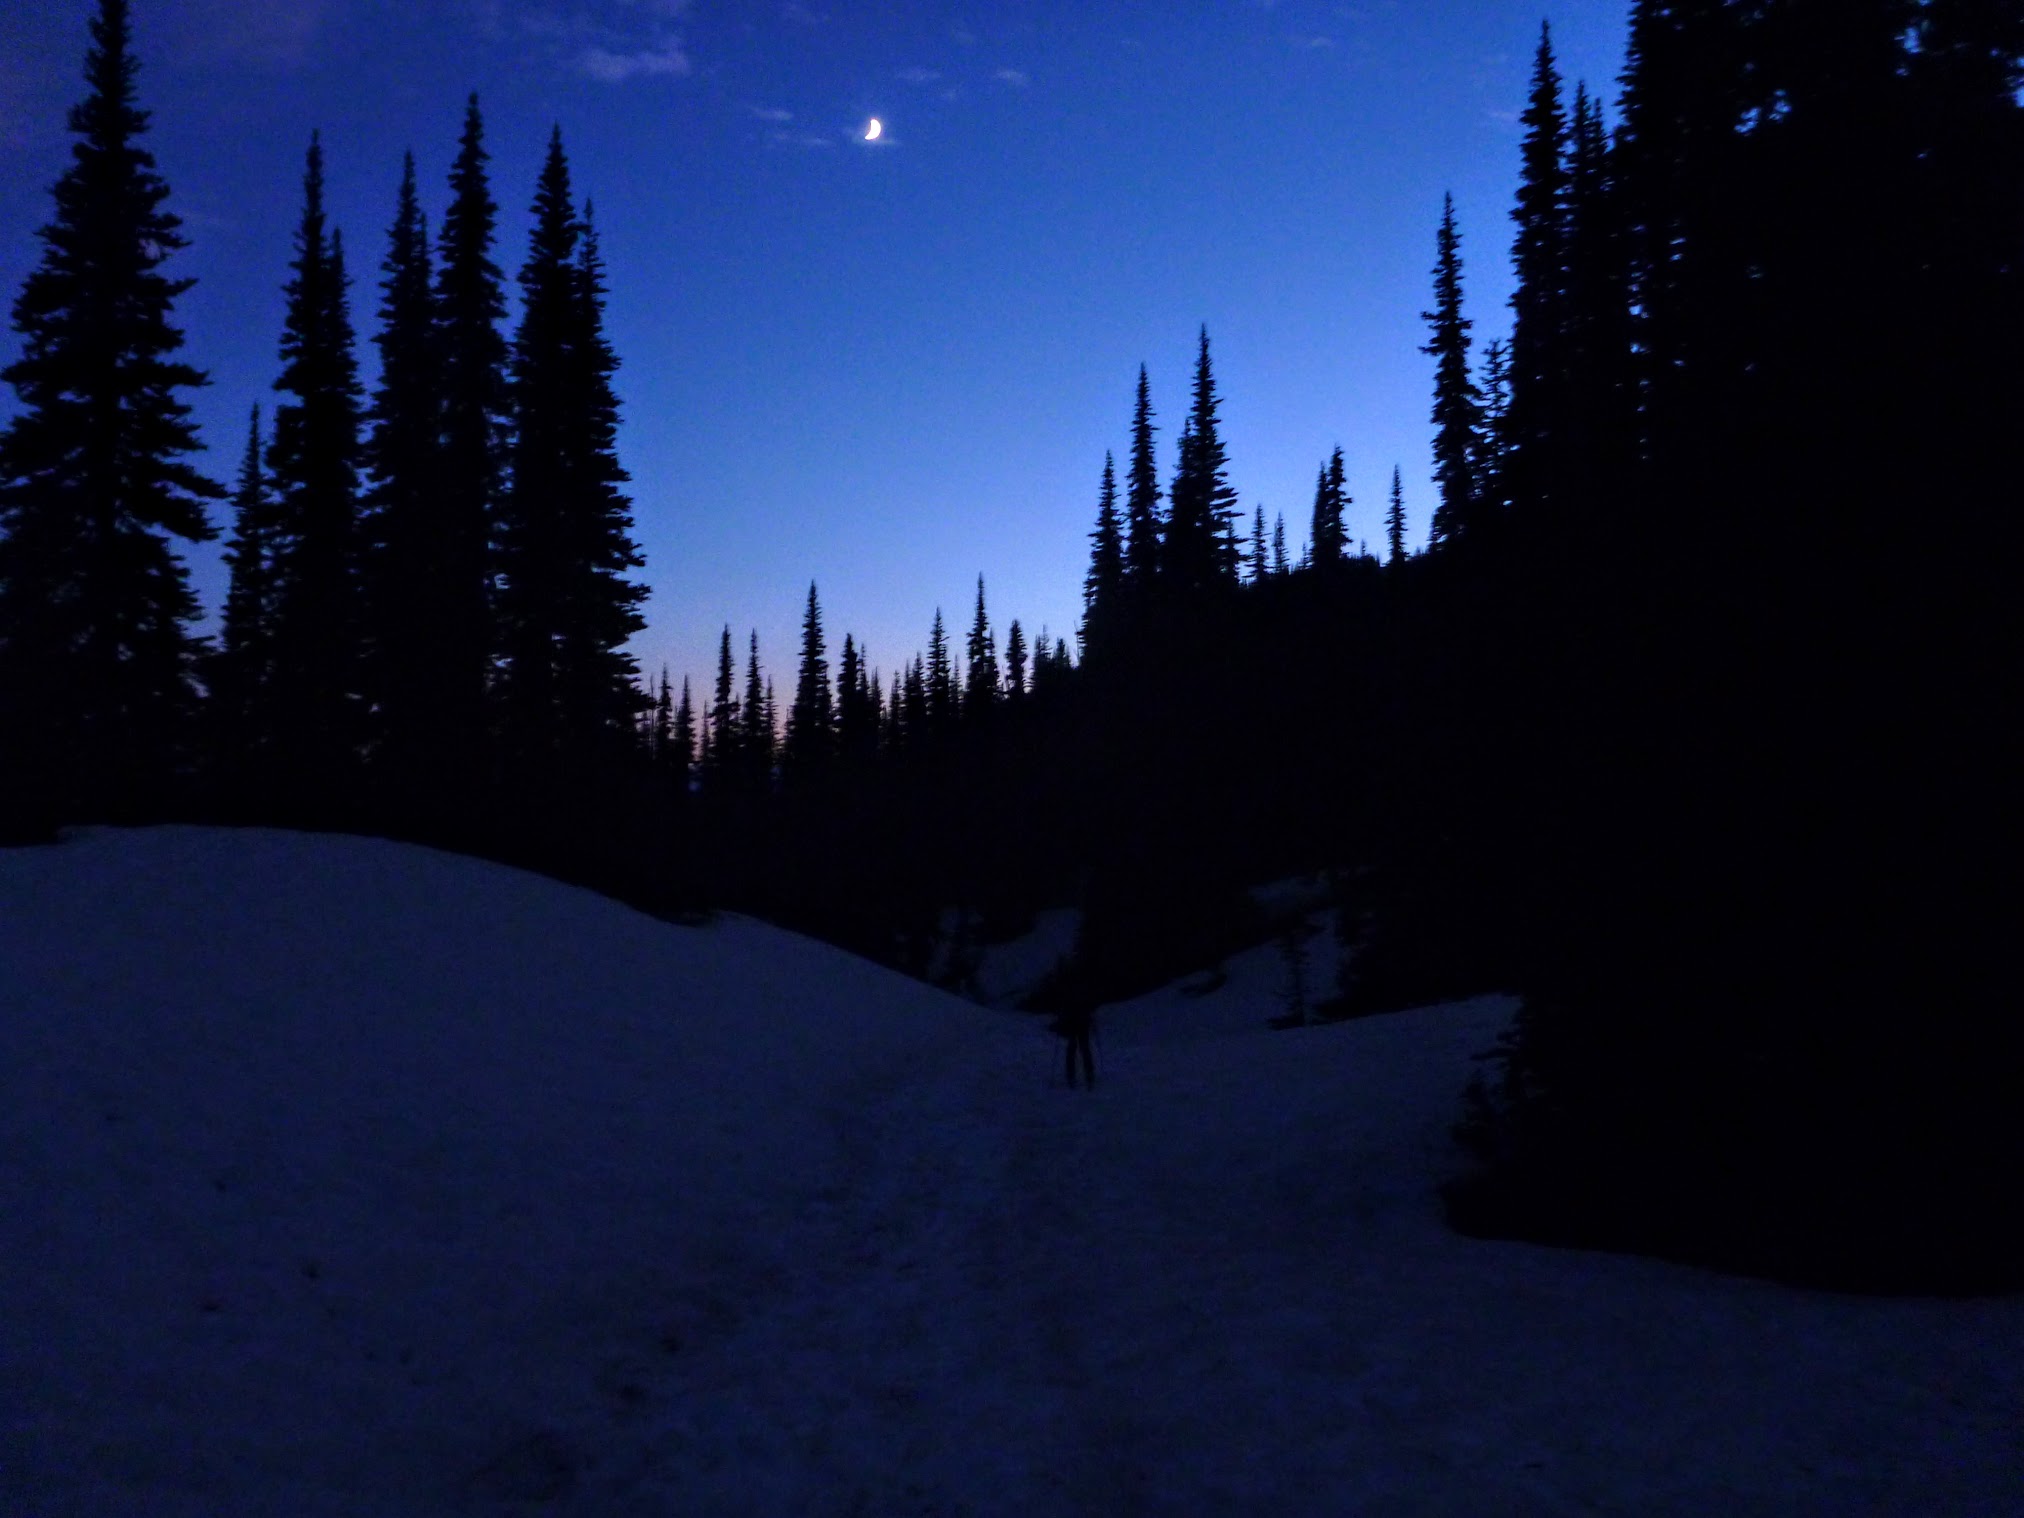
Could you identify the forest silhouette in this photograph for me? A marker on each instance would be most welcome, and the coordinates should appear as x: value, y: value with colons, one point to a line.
x: 1687, y: 725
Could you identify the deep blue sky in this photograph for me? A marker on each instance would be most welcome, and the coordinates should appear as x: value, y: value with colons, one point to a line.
x: 887, y: 367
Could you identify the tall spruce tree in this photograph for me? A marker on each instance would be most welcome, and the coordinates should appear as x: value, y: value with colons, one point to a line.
x: 406, y: 680
x: 1200, y: 550
x: 1395, y: 520
x: 1256, y: 569
x: 472, y: 388
x: 239, y: 674
x: 756, y: 732
x: 811, y: 720
x: 873, y: 692
x: 1103, y: 585
x: 596, y: 669
x: 893, y: 736
x: 1142, y: 495
x: 1599, y: 402
x: 982, y: 687
x: 1280, y: 566
x: 1489, y: 467
x: 1538, y: 357
x: 1015, y: 663
x: 857, y: 714
x: 96, y: 650
x: 913, y: 704
x: 681, y: 758
x: 1457, y: 406
x: 1687, y: 89
x: 720, y: 766
x: 565, y: 608
x: 314, y: 464
x: 944, y: 699
x: 661, y: 723
x: 1331, y: 501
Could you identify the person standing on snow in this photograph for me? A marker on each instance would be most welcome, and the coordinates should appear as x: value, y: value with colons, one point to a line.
x: 1075, y: 1026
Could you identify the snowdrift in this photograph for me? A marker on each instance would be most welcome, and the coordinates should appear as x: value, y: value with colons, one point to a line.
x: 343, y: 1177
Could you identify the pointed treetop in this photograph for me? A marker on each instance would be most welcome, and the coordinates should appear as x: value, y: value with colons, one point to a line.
x: 1142, y: 496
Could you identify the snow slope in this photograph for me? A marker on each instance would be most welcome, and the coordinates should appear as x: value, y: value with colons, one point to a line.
x: 339, y: 1177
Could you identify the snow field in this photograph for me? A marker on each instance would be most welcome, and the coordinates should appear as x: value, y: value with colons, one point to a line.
x: 343, y: 1177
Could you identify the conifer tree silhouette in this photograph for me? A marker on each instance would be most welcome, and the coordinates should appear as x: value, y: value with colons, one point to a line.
x: 1103, y: 585
x: 313, y: 464
x: 811, y: 720
x: 1142, y: 497
x: 1200, y: 548
x: 96, y: 650
x: 1331, y: 500
x: 1457, y: 406
x: 240, y: 674
x: 755, y: 738
x: 470, y: 362
x: 681, y: 758
x: 944, y: 698
x: 1538, y: 361
x: 720, y: 767
x: 1395, y: 520
x: 1015, y: 662
x: 565, y: 608
x: 407, y: 680
x: 982, y: 686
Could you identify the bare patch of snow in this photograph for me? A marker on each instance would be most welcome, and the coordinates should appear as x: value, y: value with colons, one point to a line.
x: 339, y: 1177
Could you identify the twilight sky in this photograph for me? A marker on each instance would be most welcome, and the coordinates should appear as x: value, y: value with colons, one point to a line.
x: 891, y: 366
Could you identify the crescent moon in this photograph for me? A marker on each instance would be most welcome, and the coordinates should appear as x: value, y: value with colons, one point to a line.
x: 875, y: 130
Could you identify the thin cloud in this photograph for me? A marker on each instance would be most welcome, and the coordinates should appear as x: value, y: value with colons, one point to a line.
x: 801, y: 140
x: 1017, y: 78
x: 272, y: 33
x: 667, y: 61
x: 919, y: 75
x: 611, y: 41
x: 770, y: 113
x: 1314, y: 43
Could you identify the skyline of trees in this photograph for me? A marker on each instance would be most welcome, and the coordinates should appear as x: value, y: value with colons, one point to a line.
x: 405, y: 513
x: 1669, y: 714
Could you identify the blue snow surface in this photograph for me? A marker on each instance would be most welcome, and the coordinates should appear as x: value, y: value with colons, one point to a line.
x: 340, y: 1177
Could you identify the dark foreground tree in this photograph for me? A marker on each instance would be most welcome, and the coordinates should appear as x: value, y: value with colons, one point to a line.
x: 313, y: 462
x: 1103, y: 585
x: 1142, y: 495
x: 1395, y: 521
x: 240, y: 673
x: 408, y: 681
x: 455, y: 667
x: 757, y: 733
x: 721, y: 733
x: 96, y: 651
x: 811, y: 721
x: 981, y: 688
x: 1457, y: 406
x: 1531, y: 436
x: 1331, y: 500
x: 568, y: 689
x: 1200, y: 547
